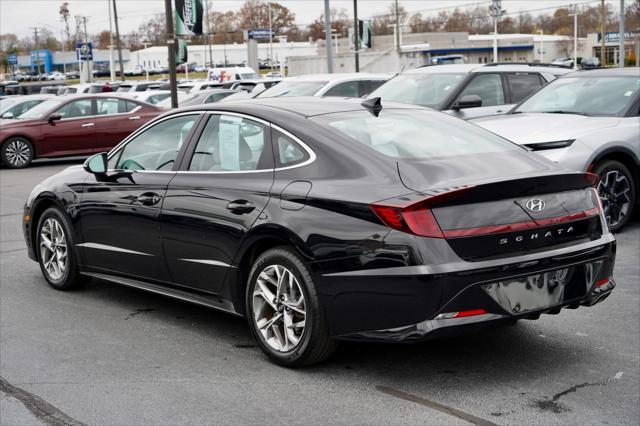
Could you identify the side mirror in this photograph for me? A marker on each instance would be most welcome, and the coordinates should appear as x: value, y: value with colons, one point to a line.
x: 467, y: 101
x: 7, y: 115
x: 54, y: 117
x: 97, y: 164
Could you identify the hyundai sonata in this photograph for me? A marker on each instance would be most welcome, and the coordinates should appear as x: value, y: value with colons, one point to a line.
x: 323, y: 219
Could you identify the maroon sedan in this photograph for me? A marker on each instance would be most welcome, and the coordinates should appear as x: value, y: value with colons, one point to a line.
x: 71, y: 125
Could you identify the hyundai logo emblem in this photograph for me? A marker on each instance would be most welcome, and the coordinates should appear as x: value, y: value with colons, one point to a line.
x: 535, y: 205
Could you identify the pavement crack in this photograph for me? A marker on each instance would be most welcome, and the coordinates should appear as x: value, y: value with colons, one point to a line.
x: 12, y: 250
x: 435, y: 405
x: 138, y: 312
x: 38, y: 406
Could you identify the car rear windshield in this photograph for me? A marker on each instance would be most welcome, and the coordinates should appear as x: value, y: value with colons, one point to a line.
x: 40, y: 110
x: 598, y: 96
x: 427, y: 89
x: 293, y: 88
x: 415, y: 134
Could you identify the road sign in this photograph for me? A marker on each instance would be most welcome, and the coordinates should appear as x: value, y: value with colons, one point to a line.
x: 84, y: 51
x: 13, y: 59
x: 259, y: 34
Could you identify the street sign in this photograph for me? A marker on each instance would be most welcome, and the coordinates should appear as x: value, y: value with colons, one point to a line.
x: 259, y: 34
x: 84, y: 51
x: 13, y: 59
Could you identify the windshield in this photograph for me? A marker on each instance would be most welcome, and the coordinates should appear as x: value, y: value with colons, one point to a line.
x: 604, y: 96
x: 415, y: 134
x: 419, y: 89
x: 293, y: 88
x: 5, y: 104
x: 40, y: 110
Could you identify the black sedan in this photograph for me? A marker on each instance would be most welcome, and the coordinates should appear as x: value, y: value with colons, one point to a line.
x: 327, y: 219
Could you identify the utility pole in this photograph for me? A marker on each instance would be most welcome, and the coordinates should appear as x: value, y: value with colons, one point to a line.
x: 206, y: 6
x: 575, y: 36
x: 112, y: 71
x: 86, y: 40
x: 118, y: 45
x: 270, y: 40
x: 356, y: 34
x: 327, y: 36
x: 397, y: 27
x: 171, y: 47
x: 603, y: 13
x: 621, y: 37
x: 64, y: 49
x: 35, y: 47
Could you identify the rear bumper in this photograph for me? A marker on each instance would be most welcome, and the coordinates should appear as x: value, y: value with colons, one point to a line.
x: 417, y: 302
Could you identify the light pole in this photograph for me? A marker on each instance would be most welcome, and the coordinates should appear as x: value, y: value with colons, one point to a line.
x: 496, y: 11
x: 621, y: 37
x: 112, y: 72
x: 146, y: 57
x: 575, y: 37
x: 356, y: 34
x: 327, y: 37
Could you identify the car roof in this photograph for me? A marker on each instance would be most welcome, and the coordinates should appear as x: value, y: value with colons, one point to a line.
x: 332, y: 78
x: 606, y: 72
x: 35, y: 96
x: 501, y: 67
x: 305, y: 106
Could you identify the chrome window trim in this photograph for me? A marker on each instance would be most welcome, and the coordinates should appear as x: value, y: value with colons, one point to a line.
x: 311, y: 159
x: 98, y: 115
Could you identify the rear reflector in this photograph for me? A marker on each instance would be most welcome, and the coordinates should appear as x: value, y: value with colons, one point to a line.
x: 602, y: 282
x: 461, y: 314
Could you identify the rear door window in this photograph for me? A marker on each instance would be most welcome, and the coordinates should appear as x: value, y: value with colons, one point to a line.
x: 76, y: 109
x: 348, y: 89
x: 522, y: 85
x: 488, y: 87
x: 288, y: 152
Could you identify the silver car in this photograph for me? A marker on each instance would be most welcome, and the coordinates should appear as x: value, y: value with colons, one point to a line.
x: 588, y: 121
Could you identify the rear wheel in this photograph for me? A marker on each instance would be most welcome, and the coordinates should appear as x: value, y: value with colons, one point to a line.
x: 617, y: 192
x: 284, y: 311
x: 16, y: 153
x: 55, y: 248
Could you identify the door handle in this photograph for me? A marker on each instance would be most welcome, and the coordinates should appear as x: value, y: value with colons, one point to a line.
x: 88, y: 125
x: 241, y: 206
x: 134, y: 118
x: 148, y: 199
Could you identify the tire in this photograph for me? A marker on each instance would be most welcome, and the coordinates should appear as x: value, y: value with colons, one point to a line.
x: 617, y: 191
x: 304, y: 345
x: 16, y: 153
x: 66, y: 275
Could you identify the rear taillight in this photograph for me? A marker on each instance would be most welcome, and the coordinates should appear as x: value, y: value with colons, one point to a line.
x: 412, y: 219
x: 415, y: 217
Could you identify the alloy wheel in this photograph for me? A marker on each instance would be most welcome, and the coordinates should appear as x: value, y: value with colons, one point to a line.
x: 614, y: 190
x: 17, y: 152
x: 53, y: 248
x: 279, y: 308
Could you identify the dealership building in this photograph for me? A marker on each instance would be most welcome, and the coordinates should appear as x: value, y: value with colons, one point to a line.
x: 48, y: 60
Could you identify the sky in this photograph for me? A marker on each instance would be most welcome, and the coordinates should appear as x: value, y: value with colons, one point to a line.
x: 20, y: 16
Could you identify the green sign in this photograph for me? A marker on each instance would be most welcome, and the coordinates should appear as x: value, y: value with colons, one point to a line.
x: 181, y: 52
x: 188, y: 17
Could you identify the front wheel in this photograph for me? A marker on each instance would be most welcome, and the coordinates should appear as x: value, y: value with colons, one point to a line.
x: 284, y: 311
x: 56, y: 256
x: 617, y: 192
x: 17, y: 153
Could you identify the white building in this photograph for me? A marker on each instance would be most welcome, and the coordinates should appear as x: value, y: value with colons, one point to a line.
x: 156, y: 56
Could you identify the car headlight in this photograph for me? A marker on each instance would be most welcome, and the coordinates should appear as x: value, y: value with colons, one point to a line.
x: 550, y: 145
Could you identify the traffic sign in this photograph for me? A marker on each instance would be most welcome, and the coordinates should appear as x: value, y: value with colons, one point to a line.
x: 259, y: 34
x: 84, y: 51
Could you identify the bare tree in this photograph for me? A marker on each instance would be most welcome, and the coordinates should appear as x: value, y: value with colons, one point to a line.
x: 64, y: 17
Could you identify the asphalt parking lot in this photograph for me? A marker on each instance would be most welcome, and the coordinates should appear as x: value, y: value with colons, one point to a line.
x: 115, y: 355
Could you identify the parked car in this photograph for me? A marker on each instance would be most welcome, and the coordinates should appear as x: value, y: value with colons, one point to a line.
x: 207, y: 97
x: 249, y: 85
x: 590, y: 63
x: 354, y: 85
x: 71, y: 125
x: 197, y: 85
x: 15, y: 106
x: 564, y: 61
x: 134, y: 86
x: 182, y: 97
x: 135, y: 71
x: 55, y: 76
x: 448, y: 60
x: 149, y: 96
x: 588, y: 121
x: 325, y: 219
x: 468, y: 90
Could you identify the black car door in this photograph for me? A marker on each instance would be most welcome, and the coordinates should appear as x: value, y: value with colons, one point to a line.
x: 221, y: 189
x: 118, y: 215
